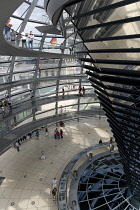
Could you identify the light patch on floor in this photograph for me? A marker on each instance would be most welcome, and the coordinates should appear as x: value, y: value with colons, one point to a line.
x: 27, y: 183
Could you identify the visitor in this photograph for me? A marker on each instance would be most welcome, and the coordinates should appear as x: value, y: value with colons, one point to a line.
x: 31, y: 96
x: 5, y: 102
x: 9, y: 102
x: 7, y: 29
x: 4, y: 107
x: 46, y: 131
x: 100, y: 141
x: 62, y: 47
x: 61, y: 124
x: 54, y: 183
x: 19, y: 141
x: 54, y: 191
x: 111, y: 140
x: 30, y: 41
x: 3, y: 111
x: 1, y: 103
x: 80, y: 91
x: 0, y: 110
x: 39, y: 72
x: 24, y: 137
x: 17, y: 146
x: 57, y: 134
x: 111, y: 147
x: 83, y: 91
x: 63, y: 93
x: 13, y: 36
x: 37, y: 134
x: 30, y: 135
x: 61, y: 133
x: 23, y: 39
x: 43, y: 157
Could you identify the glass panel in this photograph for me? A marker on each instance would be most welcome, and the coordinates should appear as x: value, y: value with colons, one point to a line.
x: 45, y: 108
x: 67, y: 106
x: 45, y: 114
x: 21, y: 116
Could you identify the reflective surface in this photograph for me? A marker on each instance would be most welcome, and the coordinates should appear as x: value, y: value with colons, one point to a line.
x: 103, y: 185
x: 107, y: 43
x: 45, y: 77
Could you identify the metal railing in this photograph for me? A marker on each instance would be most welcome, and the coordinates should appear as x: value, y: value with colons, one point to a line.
x: 70, y: 172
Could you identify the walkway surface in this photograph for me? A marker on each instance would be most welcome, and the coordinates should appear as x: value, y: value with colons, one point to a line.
x: 27, y: 183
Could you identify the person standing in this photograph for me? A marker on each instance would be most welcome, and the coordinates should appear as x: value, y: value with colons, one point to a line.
x: 63, y: 93
x: 61, y: 133
x: 13, y: 36
x: 30, y: 42
x: 39, y: 72
x: 7, y: 29
x: 30, y: 135
x: 23, y: 39
x: 24, y: 137
x: 111, y: 147
x: 57, y: 134
x: 37, y: 134
x: 83, y: 91
x: 62, y: 47
x: 6, y: 111
x: 5, y: 102
x: 54, y: 191
x: 9, y: 102
x: 19, y: 141
x: 43, y: 157
x: 1, y: 103
x: 17, y: 146
x: 3, y: 111
x: 61, y: 123
x: 80, y: 91
x: 111, y: 140
x: 54, y: 183
x: 100, y: 141
x: 46, y: 131
x: 32, y: 96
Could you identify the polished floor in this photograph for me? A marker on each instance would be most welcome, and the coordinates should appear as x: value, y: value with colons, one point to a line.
x: 27, y: 183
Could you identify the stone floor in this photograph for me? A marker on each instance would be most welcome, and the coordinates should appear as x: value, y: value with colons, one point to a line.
x: 27, y: 183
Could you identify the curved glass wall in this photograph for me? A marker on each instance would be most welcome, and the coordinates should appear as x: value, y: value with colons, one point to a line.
x: 102, y: 38
x: 43, y: 77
